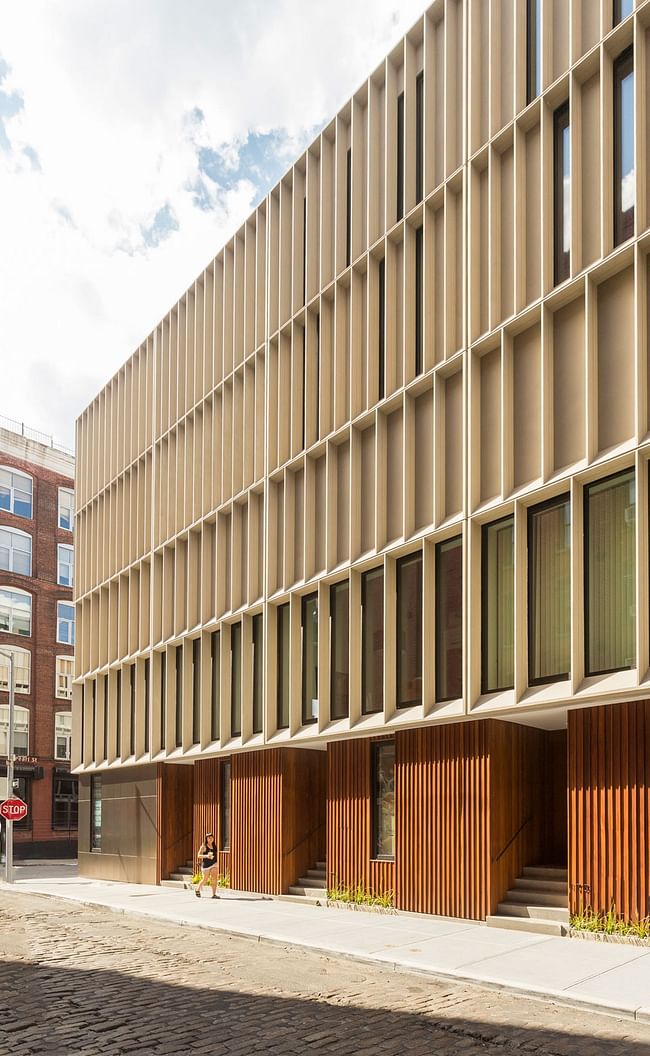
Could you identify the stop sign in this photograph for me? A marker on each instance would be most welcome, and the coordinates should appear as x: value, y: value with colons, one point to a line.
x: 13, y: 809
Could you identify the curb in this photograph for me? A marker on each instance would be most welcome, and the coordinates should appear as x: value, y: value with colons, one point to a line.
x: 558, y: 997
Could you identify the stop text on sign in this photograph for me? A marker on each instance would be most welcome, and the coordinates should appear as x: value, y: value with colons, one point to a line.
x: 13, y: 809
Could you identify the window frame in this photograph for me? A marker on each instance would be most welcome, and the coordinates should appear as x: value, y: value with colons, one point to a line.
x: 70, y: 659
x: 484, y: 652
x: 377, y: 747
x: 533, y: 51
x: 23, y: 594
x: 70, y: 492
x: 25, y: 692
x: 24, y: 535
x: 67, y: 733
x: 307, y: 715
x: 236, y: 672
x: 257, y: 638
x: 335, y: 589
x: 282, y: 676
x: 95, y: 814
x: 622, y: 67
x: 438, y: 603
x: 68, y: 547
x: 72, y: 802
x: 399, y: 139
x: 561, y: 257
x: 376, y: 572
x: 64, y: 620
x: 22, y: 717
x: 557, y: 500
x: 414, y: 558
x: 12, y: 490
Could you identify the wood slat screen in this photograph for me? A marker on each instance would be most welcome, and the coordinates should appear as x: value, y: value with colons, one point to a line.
x: 207, y: 808
x: 173, y: 817
x: 349, y: 828
x: 304, y: 779
x: 256, y: 822
x: 442, y: 820
x: 609, y: 808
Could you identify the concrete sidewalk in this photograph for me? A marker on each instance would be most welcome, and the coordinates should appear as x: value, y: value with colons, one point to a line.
x: 608, y: 977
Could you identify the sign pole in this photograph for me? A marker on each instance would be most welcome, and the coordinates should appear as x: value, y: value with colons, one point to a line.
x: 9, y: 825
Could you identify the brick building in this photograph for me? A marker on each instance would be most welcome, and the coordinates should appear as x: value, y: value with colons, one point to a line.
x: 37, y: 625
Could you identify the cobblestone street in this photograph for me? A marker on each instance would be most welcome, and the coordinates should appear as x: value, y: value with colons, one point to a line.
x: 88, y: 981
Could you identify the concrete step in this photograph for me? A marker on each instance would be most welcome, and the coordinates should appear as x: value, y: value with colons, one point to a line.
x: 540, y: 927
x: 528, y: 883
x: 322, y: 866
x: 546, y: 872
x: 531, y: 896
x: 181, y: 874
x: 311, y: 881
x: 521, y: 909
x: 317, y: 874
x: 179, y: 885
x: 309, y: 892
x: 301, y: 900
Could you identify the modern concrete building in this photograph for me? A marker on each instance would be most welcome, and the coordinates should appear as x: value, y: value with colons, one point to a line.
x: 363, y: 524
x: 37, y: 625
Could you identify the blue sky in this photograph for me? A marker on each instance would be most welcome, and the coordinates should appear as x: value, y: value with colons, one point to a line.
x: 133, y: 143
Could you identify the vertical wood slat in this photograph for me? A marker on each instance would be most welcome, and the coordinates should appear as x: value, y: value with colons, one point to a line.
x: 174, y: 817
x: 207, y: 808
x: 256, y: 821
x: 609, y: 808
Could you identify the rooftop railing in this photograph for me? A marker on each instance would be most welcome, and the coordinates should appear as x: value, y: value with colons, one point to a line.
x: 34, y: 434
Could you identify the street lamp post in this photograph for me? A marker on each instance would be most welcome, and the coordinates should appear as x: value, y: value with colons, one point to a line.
x: 9, y: 848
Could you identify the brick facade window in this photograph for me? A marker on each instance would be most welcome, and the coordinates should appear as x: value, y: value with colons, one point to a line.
x: 16, y: 491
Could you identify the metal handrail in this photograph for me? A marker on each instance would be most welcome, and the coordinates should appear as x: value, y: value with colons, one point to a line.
x: 513, y: 838
x: 308, y: 835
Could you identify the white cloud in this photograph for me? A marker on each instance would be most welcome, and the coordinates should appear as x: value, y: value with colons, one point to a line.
x: 105, y: 215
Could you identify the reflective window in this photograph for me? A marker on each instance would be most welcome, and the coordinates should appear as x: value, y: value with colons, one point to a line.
x: 533, y: 49
x: 65, y: 622
x: 62, y: 735
x: 549, y: 591
x: 65, y: 565
x: 16, y: 492
x: 22, y: 669
x: 215, y: 703
x: 235, y: 680
x: 258, y: 672
x: 383, y: 799
x: 562, y: 193
x: 15, y: 611
x: 409, y: 631
x: 21, y: 729
x: 372, y: 641
x: 196, y: 690
x: 622, y: 8
x: 95, y: 812
x: 283, y: 679
x: 66, y: 508
x: 610, y: 574
x: 624, y: 171
x: 498, y: 611
x: 64, y: 676
x: 15, y: 551
x: 65, y: 803
x: 310, y: 658
x: 340, y: 650
x: 449, y: 619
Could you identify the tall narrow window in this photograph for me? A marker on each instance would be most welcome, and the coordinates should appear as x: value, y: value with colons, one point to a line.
x: 66, y: 509
x: 235, y: 680
x: 62, y: 735
x: 624, y: 170
x: 419, y: 136
x: 16, y: 492
x: 310, y: 658
x: 132, y: 709
x: 96, y: 812
x: 622, y: 8
x: 372, y: 641
x: 383, y: 800
x: 549, y: 591
x: 65, y: 565
x: 340, y: 649
x: 93, y: 732
x: 304, y: 250
x: 304, y: 385
x: 215, y: 685
x: 118, y: 715
x: 196, y: 691
x: 179, y: 697
x: 225, y: 805
x: 562, y: 193
x: 498, y: 605
x: 449, y: 619
x: 348, y: 207
x: 146, y: 704
x: 258, y: 672
x: 419, y: 302
x: 533, y: 49
x: 610, y: 574
x: 409, y: 631
x: 163, y: 701
x: 283, y: 681
x: 382, y: 327
x: 317, y: 375
x: 105, y: 730
x: 400, y: 156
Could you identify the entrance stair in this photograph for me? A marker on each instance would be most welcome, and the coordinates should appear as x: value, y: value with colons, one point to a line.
x: 538, y: 902
x: 181, y: 878
x: 309, y: 890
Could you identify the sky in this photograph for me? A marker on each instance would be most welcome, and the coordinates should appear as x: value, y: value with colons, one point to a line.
x: 135, y: 138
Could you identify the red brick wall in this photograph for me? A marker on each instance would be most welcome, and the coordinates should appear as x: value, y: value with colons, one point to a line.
x: 41, y: 701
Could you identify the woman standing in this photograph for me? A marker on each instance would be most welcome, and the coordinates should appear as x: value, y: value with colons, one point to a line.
x: 207, y: 858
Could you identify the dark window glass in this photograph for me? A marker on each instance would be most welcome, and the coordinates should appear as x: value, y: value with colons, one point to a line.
x: 95, y: 813
x: 118, y: 714
x: 304, y: 387
x: 235, y: 680
x: 132, y: 709
x: 624, y: 171
x: 549, y: 591
x: 179, y: 696
x: 258, y: 672
x: 409, y: 631
x: 400, y: 156
x: 498, y: 609
x: 383, y: 800
x: 196, y: 691
x: 94, y: 721
x: 105, y: 731
x: 348, y: 207
x: 317, y: 376
x: 533, y: 49
x: 610, y: 574
x: 419, y: 136
x: 215, y: 685
x: 340, y: 649
x: 562, y: 193
x: 146, y: 705
x: 304, y: 250
x: 23, y: 789
x: 372, y: 641
x: 225, y: 805
x: 419, y: 302
x: 65, y: 803
x: 382, y: 328
x: 283, y: 666
x: 310, y: 658
x: 163, y: 700
x: 449, y: 619
x: 622, y: 8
